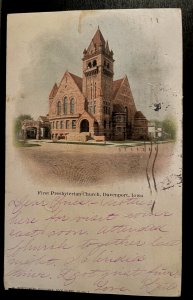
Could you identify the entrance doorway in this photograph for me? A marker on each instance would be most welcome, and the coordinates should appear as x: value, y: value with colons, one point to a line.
x: 84, y: 126
x: 31, y: 133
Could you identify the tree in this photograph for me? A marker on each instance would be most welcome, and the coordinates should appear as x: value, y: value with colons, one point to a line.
x: 18, y: 124
x: 169, y: 127
x: 157, y: 123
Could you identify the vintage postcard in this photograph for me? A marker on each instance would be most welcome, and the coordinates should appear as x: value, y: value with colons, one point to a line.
x: 94, y: 152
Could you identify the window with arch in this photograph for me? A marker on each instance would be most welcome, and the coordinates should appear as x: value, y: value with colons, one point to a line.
x: 72, y: 106
x: 65, y: 105
x: 89, y: 65
x: 58, y: 108
x: 94, y: 63
x: 126, y: 111
x: 61, y: 124
x: 95, y: 90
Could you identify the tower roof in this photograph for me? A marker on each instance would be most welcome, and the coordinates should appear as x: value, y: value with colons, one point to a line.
x: 98, y: 38
x: 97, y: 44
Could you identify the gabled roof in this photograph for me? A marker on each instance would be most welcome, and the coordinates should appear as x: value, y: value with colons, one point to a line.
x: 53, y: 91
x: 77, y: 80
x: 139, y: 115
x: 43, y: 118
x: 118, y: 108
x: 87, y: 113
x: 116, y: 86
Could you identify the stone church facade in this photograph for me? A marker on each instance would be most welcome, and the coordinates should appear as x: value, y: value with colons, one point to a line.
x: 95, y: 107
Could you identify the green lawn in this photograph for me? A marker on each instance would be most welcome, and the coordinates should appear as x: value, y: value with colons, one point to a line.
x: 86, y: 143
x: 24, y: 144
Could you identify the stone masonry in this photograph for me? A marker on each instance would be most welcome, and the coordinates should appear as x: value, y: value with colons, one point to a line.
x: 95, y: 107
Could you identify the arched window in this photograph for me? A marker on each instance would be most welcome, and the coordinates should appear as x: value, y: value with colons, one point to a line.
x: 65, y: 105
x: 95, y: 90
x: 72, y: 106
x: 58, y: 108
x: 126, y: 115
x: 94, y: 63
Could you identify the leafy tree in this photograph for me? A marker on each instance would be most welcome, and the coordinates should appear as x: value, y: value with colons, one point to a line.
x: 157, y: 123
x: 169, y: 127
x: 18, y: 124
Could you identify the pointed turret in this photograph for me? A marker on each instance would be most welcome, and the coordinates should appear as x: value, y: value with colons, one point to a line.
x: 85, y: 51
x: 98, y: 38
x: 97, y: 43
x: 107, y: 47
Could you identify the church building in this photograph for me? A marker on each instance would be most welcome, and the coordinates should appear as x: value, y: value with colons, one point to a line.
x: 94, y: 106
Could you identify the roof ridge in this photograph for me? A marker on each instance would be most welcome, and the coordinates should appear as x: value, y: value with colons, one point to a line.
x: 119, y: 81
x: 53, y: 90
x: 74, y: 77
x: 74, y: 74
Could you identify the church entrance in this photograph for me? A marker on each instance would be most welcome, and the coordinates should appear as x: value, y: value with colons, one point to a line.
x: 84, y: 126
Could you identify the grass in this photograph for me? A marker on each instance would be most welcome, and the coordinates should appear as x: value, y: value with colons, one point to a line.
x: 127, y: 143
x: 133, y: 145
x: 24, y: 144
x: 86, y: 143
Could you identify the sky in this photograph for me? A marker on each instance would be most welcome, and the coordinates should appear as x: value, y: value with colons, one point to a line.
x: 147, y: 46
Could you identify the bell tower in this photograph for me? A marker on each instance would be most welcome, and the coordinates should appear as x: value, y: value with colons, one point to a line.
x: 98, y: 81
